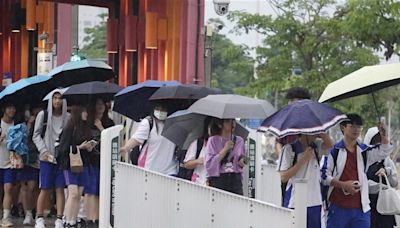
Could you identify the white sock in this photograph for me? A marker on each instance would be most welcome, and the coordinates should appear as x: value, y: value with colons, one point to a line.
x: 6, y: 213
x: 28, y: 212
x: 71, y: 222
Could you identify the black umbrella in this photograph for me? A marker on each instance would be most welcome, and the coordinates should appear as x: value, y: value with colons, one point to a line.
x: 84, y: 91
x: 190, y: 92
x: 76, y: 72
x: 133, y: 101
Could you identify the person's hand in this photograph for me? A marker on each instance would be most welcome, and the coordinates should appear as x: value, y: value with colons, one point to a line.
x: 86, y: 146
x: 382, y: 129
x: 229, y: 145
x: 123, y: 151
x: 98, y: 124
x: 381, y: 172
x: 2, y: 138
x: 309, y: 154
x: 349, y: 187
x: 200, y: 161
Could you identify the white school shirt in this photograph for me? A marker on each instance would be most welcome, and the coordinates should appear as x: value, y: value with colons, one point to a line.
x: 5, y: 162
x: 309, y: 171
x: 160, y: 155
x: 199, y: 173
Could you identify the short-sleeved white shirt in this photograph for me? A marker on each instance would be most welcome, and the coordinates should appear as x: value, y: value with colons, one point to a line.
x: 199, y: 173
x: 309, y: 171
x: 158, y: 153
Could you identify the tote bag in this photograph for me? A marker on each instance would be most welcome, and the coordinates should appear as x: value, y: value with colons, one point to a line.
x: 75, y: 160
x: 388, y: 199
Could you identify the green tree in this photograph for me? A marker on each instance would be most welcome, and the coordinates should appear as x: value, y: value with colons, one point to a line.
x: 232, y: 66
x: 96, y: 40
x: 374, y: 23
x: 304, y: 45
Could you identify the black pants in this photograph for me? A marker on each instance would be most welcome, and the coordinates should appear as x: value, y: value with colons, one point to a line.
x: 231, y: 182
x: 378, y: 220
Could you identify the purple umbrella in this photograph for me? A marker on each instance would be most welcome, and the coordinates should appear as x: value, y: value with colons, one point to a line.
x: 302, y: 117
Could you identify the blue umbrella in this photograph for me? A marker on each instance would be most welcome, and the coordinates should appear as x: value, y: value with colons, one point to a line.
x: 133, y: 101
x: 26, y: 90
x: 76, y: 72
x: 302, y: 117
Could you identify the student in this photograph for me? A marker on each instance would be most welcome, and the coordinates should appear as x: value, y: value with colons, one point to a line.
x: 293, y: 94
x: 299, y: 160
x: 75, y: 136
x: 29, y: 175
x: 158, y: 153
x: 344, y: 172
x: 98, y: 120
x: 225, y: 157
x: 51, y: 175
x: 7, y: 174
x: 384, y: 167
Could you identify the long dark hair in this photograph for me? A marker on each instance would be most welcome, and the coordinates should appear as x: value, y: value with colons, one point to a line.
x: 81, y: 128
x: 105, y: 120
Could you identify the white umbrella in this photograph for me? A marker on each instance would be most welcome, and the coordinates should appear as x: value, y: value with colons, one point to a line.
x: 363, y: 81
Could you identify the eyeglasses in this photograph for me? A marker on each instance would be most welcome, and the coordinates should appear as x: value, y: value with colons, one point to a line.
x: 355, y: 127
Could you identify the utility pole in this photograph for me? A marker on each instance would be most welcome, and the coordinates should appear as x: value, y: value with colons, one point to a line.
x: 208, y: 46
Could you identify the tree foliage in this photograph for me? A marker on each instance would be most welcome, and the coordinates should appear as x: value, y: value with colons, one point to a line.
x: 232, y: 66
x: 96, y: 40
x: 374, y: 23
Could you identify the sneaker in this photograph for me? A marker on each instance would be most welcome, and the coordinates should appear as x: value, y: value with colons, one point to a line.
x: 7, y: 222
x: 39, y: 223
x: 28, y: 220
x: 59, y: 223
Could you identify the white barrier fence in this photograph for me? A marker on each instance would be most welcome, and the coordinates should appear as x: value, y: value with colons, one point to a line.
x: 149, y: 199
x: 133, y: 197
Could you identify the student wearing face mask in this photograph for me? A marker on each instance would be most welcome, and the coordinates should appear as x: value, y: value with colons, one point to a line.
x: 157, y: 152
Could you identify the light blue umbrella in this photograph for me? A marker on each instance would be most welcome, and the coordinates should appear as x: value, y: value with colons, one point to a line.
x: 76, y: 72
x: 26, y: 90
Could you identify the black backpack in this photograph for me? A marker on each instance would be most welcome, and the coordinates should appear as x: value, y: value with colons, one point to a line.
x: 135, y: 153
x: 183, y: 172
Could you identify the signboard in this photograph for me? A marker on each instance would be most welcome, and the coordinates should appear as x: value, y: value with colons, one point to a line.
x: 108, y: 158
x: 44, y: 63
x: 7, y: 79
x: 251, y: 183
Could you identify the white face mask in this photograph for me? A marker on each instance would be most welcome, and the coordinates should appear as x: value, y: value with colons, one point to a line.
x: 161, y: 115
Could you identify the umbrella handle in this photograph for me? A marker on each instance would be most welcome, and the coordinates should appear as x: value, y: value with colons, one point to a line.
x: 376, y: 107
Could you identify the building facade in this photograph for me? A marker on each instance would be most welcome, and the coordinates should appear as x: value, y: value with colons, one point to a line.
x: 146, y: 39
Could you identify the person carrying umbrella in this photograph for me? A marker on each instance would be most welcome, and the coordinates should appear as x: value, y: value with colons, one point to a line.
x: 310, y: 121
x: 48, y: 126
x: 343, y: 170
x: 225, y: 157
x: 157, y: 152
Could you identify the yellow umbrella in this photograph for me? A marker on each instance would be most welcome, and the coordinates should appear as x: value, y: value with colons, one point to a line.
x: 362, y: 81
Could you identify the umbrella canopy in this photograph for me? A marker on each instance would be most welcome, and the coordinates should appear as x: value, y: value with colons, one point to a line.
x: 76, y: 72
x: 363, y: 81
x: 26, y: 90
x: 229, y: 106
x: 86, y: 90
x: 302, y: 117
x: 191, y: 92
x: 183, y: 127
x: 133, y: 101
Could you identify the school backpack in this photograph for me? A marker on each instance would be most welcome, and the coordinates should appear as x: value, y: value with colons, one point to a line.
x: 135, y: 153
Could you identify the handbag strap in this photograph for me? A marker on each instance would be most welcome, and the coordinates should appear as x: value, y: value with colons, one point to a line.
x: 381, y: 184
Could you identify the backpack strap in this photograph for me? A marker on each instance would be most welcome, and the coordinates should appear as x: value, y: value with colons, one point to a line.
x: 200, y: 143
x: 44, y: 125
x: 335, y: 156
x: 150, y: 119
x: 365, y: 157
